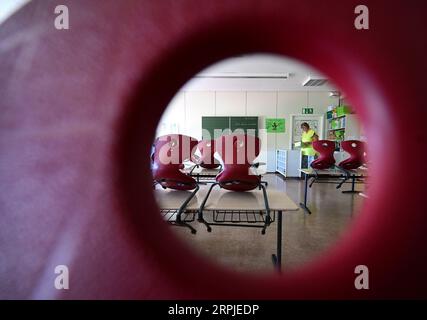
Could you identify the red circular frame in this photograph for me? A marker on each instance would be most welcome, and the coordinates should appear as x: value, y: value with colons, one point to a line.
x: 369, y: 92
x: 163, y: 44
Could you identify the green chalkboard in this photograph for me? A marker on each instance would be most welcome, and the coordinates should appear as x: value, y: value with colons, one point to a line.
x: 213, y: 127
x: 247, y: 125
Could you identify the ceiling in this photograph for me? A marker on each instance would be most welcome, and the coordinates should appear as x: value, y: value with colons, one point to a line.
x: 215, y: 78
x: 259, y: 71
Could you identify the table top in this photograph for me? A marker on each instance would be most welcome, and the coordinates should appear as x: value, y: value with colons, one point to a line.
x: 169, y: 199
x: 335, y: 172
x: 221, y: 199
x: 199, y: 171
x: 203, y: 171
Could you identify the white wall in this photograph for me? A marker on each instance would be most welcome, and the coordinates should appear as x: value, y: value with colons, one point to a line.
x: 187, y: 108
x: 264, y: 105
x: 230, y: 103
x: 9, y: 7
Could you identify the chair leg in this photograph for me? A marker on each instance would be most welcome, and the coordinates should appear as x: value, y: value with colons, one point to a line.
x: 346, y: 177
x: 192, y: 169
x: 312, y: 182
x: 202, y: 207
x: 342, y: 182
x: 316, y: 176
x: 267, y: 209
x: 182, y: 208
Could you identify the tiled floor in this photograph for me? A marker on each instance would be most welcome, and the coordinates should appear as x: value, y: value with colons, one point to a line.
x: 304, y: 236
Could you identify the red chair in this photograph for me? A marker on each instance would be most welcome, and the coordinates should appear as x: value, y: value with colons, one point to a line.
x: 169, y: 154
x: 325, y: 149
x: 356, y: 149
x: 207, y: 159
x: 357, y: 158
x: 325, y: 160
x: 238, y: 153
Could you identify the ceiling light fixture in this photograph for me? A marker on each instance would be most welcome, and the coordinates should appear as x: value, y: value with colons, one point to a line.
x: 314, y: 81
x: 243, y: 75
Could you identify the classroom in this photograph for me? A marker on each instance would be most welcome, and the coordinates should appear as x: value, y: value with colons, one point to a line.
x: 260, y: 158
x: 212, y: 150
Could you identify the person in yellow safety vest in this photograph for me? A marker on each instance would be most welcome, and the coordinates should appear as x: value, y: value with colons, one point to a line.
x: 308, y: 136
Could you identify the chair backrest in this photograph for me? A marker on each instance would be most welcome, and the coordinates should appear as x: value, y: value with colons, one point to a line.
x: 207, y: 151
x: 238, y: 153
x: 170, y: 152
x: 325, y: 149
x: 238, y: 148
x: 174, y: 149
x: 356, y: 150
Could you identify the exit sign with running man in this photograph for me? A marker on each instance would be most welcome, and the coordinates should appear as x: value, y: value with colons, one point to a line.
x: 307, y: 110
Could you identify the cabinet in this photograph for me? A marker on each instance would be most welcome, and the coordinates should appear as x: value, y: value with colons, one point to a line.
x: 288, y: 162
x: 281, y: 162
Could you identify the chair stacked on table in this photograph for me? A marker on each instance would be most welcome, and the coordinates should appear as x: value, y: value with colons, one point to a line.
x: 326, y: 160
x: 169, y: 154
x: 207, y: 159
x: 237, y: 153
x: 356, y: 150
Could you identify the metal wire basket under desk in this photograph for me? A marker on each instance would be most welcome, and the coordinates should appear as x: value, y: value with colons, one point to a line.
x: 169, y: 215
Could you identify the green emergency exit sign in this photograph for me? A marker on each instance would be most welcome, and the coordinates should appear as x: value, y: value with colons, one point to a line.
x: 307, y: 110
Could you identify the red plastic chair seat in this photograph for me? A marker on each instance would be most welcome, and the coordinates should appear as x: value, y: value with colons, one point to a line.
x: 237, y: 153
x: 170, y: 152
x: 356, y: 149
x: 238, y: 178
x: 325, y: 149
x: 207, y: 150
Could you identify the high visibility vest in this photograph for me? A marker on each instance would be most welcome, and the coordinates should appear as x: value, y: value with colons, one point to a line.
x: 308, y: 137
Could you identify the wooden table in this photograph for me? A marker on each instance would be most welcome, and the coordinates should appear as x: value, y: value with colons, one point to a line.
x: 361, y: 173
x: 249, y: 206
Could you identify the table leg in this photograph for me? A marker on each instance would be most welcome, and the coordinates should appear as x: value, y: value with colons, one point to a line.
x: 353, y: 184
x: 277, y: 258
x: 304, y: 205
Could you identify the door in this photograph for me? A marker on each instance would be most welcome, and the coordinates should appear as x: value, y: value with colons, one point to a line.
x: 315, y: 122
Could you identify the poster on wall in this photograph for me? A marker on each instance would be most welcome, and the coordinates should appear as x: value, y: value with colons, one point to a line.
x: 275, y: 125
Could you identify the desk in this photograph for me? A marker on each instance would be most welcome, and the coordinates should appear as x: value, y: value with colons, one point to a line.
x: 208, y: 175
x: 225, y: 207
x: 247, y: 209
x: 335, y: 173
x: 171, y: 202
